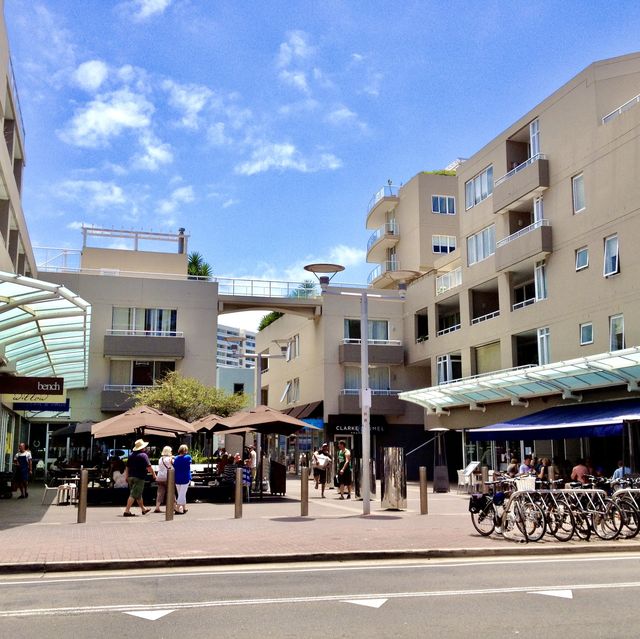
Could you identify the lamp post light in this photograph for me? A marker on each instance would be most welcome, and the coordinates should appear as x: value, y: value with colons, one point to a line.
x: 325, y: 273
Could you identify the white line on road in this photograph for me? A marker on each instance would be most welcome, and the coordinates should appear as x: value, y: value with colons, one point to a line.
x: 186, y: 605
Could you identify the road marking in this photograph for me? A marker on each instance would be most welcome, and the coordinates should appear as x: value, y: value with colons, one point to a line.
x: 187, y: 605
x: 150, y: 615
x: 563, y: 594
x: 370, y: 603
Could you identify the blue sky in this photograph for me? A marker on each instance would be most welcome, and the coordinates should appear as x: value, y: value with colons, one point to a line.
x: 265, y: 127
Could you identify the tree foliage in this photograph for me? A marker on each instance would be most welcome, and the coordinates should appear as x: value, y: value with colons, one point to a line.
x: 269, y: 318
x: 189, y: 399
x: 197, y: 265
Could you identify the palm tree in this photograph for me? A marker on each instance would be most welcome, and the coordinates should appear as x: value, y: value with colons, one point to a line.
x: 197, y: 266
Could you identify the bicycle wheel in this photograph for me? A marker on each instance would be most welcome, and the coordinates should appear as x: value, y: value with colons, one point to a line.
x: 583, y: 525
x: 485, y: 521
x: 533, y: 520
x: 560, y: 522
x: 608, y: 524
x: 631, y: 518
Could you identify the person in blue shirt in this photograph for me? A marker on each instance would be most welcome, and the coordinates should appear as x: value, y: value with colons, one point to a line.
x: 621, y: 471
x: 182, y: 466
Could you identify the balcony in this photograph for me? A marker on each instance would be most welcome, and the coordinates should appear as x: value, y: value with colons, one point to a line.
x: 384, y: 201
x: 447, y: 281
x: 116, y: 398
x: 387, y: 351
x: 529, y: 244
x: 146, y: 344
x: 522, y: 182
x: 382, y: 239
x: 383, y: 402
x: 379, y: 272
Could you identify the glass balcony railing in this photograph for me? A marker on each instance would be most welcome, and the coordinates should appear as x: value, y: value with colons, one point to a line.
x: 385, y: 191
x: 390, y: 228
x: 520, y: 167
x: 447, y: 281
x: 381, y: 269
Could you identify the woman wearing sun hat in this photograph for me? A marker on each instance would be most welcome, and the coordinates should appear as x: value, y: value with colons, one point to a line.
x: 138, y: 465
x: 164, y: 463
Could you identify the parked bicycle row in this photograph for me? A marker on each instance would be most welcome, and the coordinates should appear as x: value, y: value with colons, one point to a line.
x: 518, y: 509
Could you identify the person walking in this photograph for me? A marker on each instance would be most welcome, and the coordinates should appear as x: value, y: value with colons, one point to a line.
x: 164, y: 463
x: 344, y: 469
x: 323, y: 462
x: 182, y: 465
x: 253, y: 464
x: 23, y: 469
x: 138, y: 465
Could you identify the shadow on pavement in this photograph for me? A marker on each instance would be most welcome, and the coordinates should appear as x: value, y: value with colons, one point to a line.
x: 20, y: 512
x: 292, y: 519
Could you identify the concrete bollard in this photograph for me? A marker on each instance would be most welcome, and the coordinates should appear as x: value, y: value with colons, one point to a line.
x: 82, y: 497
x: 424, y: 504
x: 485, y: 478
x: 552, y: 476
x: 304, y: 492
x: 170, y: 500
x: 238, y: 495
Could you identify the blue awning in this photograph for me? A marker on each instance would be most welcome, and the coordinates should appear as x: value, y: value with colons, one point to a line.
x: 597, y: 419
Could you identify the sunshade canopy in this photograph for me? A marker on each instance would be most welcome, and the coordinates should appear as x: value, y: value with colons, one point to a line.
x: 81, y: 428
x: 207, y: 423
x: 597, y: 419
x: 142, y: 420
x: 265, y: 420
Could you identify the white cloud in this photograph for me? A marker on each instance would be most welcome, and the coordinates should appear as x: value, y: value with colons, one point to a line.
x: 76, y: 226
x: 141, y: 10
x: 216, y: 134
x: 347, y: 255
x: 285, y: 157
x: 341, y: 115
x: 303, y: 106
x: 106, y: 116
x: 373, y: 84
x: 91, y: 194
x: 188, y: 99
x: 296, y: 79
x: 230, y: 202
x: 296, y: 48
x: 181, y: 195
x: 90, y: 75
x: 155, y: 154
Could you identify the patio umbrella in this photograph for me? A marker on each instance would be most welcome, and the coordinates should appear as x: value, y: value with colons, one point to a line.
x: 264, y: 420
x: 142, y: 420
x: 69, y: 430
x: 208, y: 423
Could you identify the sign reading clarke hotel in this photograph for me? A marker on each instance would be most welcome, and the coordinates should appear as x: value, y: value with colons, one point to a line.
x: 32, y: 385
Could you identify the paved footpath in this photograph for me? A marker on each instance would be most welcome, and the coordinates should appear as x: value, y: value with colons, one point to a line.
x: 47, y: 538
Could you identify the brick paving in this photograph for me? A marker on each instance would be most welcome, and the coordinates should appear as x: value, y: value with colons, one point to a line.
x: 43, y: 536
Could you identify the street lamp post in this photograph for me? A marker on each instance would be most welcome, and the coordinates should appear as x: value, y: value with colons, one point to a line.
x: 324, y: 273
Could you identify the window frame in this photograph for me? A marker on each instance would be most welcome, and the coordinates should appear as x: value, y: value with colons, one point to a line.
x: 574, y: 192
x: 483, y: 243
x: 582, y: 249
x: 478, y: 188
x: 448, y: 201
x: 444, y: 365
x: 584, y: 342
x: 609, y: 257
x: 451, y: 246
x: 612, y: 319
x: 543, y: 336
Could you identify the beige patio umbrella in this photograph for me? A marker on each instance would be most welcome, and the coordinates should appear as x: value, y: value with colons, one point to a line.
x: 142, y: 420
x: 208, y: 423
x: 264, y: 420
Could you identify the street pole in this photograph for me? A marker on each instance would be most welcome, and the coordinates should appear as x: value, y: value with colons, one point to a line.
x: 256, y: 403
x: 365, y: 400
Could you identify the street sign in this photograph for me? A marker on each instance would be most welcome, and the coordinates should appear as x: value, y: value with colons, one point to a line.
x: 32, y: 385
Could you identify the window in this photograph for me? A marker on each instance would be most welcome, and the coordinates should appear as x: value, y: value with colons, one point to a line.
x: 149, y: 321
x: 293, y: 348
x: 443, y: 204
x: 238, y: 389
x: 291, y: 393
x: 379, y: 378
x: 616, y: 332
x: 378, y: 329
x: 524, y: 294
x: 479, y: 188
x: 422, y: 325
x: 443, y: 243
x: 544, y: 356
x: 577, y: 185
x: 538, y: 210
x: 611, y: 258
x: 139, y: 372
x: 586, y: 333
x: 582, y: 258
x: 540, y: 281
x: 481, y: 245
x: 534, y: 138
x: 449, y: 367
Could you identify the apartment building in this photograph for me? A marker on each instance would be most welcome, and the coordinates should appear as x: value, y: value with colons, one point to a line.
x: 233, y: 346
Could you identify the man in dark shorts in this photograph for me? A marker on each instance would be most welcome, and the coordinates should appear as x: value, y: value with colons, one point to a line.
x: 138, y: 465
x: 344, y: 469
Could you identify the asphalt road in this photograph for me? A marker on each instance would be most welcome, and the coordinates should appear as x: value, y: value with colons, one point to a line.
x: 585, y: 596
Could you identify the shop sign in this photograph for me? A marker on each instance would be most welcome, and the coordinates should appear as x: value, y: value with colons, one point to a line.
x: 55, y: 406
x: 32, y: 385
x: 33, y: 398
x: 356, y: 429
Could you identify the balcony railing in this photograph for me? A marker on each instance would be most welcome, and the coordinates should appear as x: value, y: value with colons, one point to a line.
x: 531, y: 300
x: 141, y: 333
x: 447, y: 281
x: 380, y: 393
x: 521, y: 232
x: 126, y: 388
x: 621, y: 109
x: 373, y: 342
x: 484, y: 318
x: 385, y: 191
x: 520, y: 167
x: 449, y: 329
x: 390, y: 228
x: 381, y: 269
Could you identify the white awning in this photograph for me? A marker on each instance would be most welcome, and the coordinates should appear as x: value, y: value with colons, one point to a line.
x: 516, y: 385
x: 44, y: 329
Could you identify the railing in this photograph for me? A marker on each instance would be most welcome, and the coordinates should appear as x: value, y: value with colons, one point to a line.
x: 381, y: 269
x: 385, y: 191
x: 379, y: 392
x: 517, y: 169
x: 52, y: 258
x: 484, y: 318
x: 621, y: 109
x: 374, y: 342
x: 447, y: 281
x: 390, y: 228
x: 449, y: 329
x: 531, y: 300
x: 422, y: 338
x: 16, y: 106
x: 126, y: 388
x: 521, y: 232
x: 142, y: 333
